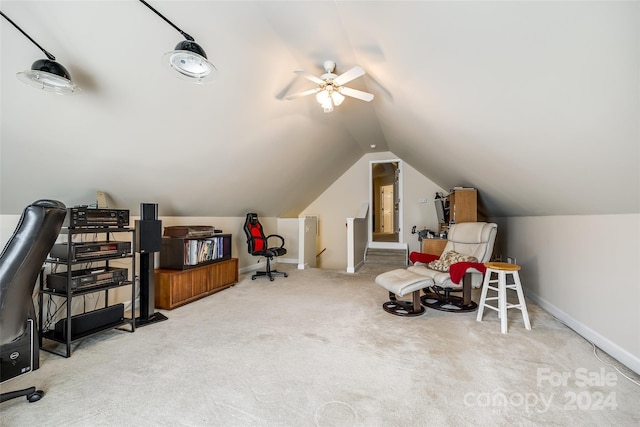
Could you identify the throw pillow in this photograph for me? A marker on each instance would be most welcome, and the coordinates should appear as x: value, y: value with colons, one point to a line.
x: 449, y: 258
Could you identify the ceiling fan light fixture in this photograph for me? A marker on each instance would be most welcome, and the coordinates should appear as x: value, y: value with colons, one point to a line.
x: 337, y: 98
x: 326, y: 100
x: 331, y: 91
x: 323, y: 97
x: 190, y: 61
x: 50, y: 76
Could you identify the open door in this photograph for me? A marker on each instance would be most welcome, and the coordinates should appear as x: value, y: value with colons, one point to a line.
x: 385, y: 213
x: 385, y: 189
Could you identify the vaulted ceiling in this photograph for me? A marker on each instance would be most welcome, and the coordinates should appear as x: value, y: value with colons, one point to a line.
x: 537, y: 104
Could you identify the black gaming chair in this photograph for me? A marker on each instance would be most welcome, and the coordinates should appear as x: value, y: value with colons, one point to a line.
x: 20, y: 264
x: 259, y: 245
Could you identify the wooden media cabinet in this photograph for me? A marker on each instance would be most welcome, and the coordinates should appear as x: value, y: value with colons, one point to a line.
x: 174, y: 288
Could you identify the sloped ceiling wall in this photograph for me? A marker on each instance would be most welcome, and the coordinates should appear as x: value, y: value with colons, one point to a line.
x: 536, y: 104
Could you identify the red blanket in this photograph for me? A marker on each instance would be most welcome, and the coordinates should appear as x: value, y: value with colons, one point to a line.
x: 420, y: 257
x: 457, y: 270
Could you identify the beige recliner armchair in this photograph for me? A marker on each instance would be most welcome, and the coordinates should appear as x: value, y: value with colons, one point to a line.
x: 461, y: 267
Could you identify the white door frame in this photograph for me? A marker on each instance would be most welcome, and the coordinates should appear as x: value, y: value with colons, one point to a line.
x: 398, y: 226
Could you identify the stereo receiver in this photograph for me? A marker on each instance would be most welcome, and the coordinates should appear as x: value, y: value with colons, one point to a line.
x: 89, y: 278
x: 80, y: 251
x: 83, y: 216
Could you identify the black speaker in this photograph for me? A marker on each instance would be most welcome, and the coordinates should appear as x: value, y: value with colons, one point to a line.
x: 85, y: 323
x: 148, y: 240
x: 148, y: 235
x: 148, y: 211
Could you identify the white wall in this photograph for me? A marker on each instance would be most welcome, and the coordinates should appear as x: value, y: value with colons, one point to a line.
x: 583, y: 270
x: 343, y: 198
x: 289, y: 229
x: 357, y: 237
x: 308, y: 232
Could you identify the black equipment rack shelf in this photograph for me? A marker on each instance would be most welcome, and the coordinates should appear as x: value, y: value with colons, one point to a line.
x: 68, y: 336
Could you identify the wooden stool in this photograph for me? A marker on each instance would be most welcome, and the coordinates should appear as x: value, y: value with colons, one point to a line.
x: 501, y: 269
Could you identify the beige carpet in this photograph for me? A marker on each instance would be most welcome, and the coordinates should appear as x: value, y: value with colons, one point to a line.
x: 316, y: 349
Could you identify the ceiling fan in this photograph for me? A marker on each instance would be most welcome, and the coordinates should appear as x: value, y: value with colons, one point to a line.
x: 330, y: 90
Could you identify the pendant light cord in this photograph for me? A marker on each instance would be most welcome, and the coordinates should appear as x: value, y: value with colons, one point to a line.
x: 186, y: 36
x: 50, y: 56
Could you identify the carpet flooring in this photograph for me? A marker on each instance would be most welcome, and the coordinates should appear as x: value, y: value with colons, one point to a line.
x: 316, y: 349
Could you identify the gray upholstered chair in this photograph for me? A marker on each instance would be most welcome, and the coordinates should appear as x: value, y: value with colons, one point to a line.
x: 469, y: 239
x: 20, y: 264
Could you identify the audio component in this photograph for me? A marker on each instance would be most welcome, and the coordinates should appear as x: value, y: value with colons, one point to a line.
x: 85, y: 323
x: 148, y: 235
x: 81, y: 251
x: 148, y: 211
x: 187, y: 231
x: 83, y: 216
x: 148, y: 241
x: 89, y: 278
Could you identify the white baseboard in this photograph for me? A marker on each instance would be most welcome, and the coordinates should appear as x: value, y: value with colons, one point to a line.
x: 356, y: 267
x: 620, y: 354
x: 252, y: 267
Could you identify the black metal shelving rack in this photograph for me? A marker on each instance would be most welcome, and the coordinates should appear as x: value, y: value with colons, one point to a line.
x: 67, y: 338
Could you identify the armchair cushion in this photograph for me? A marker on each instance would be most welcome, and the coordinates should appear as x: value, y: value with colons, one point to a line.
x: 449, y: 258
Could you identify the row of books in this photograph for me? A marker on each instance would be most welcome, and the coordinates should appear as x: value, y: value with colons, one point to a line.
x: 197, y: 251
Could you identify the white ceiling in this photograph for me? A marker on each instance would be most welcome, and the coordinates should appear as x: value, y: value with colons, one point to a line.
x: 537, y: 104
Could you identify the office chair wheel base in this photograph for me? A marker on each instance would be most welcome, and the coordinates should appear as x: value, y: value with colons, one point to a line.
x: 31, y: 394
x: 269, y: 274
x: 450, y: 303
x: 35, y: 396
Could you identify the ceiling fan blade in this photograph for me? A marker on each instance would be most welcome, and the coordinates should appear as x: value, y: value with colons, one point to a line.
x: 355, y: 93
x: 309, y: 76
x: 347, y: 76
x: 303, y: 93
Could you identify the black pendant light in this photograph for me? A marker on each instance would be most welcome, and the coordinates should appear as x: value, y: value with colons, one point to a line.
x: 188, y: 59
x: 46, y: 74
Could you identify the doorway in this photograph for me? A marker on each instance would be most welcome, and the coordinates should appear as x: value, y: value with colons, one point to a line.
x: 385, y: 188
